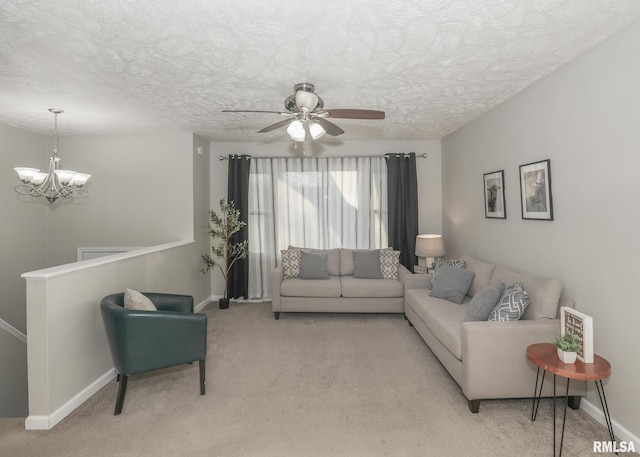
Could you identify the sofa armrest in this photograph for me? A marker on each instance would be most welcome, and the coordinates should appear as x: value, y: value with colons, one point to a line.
x: 276, y: 280
x: 403, y: 272
x: 494, y: 356
x: 416, y: 281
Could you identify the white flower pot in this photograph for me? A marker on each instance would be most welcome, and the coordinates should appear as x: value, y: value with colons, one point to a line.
x: 567, y: 357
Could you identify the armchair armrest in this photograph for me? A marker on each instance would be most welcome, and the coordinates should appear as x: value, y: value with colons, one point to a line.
x: 489, y: 349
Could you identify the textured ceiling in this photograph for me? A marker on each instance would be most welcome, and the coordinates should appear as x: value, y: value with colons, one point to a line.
x: 138, y: 66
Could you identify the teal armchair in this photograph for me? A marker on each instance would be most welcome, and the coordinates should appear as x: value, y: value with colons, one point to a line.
x: 149, y: 340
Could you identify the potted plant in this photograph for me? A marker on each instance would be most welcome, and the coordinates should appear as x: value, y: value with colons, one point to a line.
x: 568, y: 346
x: 225, y: 253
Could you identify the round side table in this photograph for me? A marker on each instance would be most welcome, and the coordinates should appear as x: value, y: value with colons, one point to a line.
x: 545, y: 357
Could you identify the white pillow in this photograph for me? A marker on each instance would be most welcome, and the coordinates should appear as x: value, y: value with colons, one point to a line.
x: 135, y: 300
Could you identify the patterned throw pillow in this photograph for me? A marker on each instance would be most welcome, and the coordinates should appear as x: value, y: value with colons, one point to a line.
x: 389, y: 261
x: 440, y: 263
x: 291, y: 262
x: 512, y: 304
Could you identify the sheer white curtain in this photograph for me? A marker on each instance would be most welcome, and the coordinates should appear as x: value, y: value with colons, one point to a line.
x: 317, y: 203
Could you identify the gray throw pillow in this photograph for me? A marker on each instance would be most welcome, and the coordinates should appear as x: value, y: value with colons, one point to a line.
x: 313, y: 265
x: 441, y: 263
x: 366, y: 264
x: 512, y: 304
x: 452, y: 283
x: 483, y: 302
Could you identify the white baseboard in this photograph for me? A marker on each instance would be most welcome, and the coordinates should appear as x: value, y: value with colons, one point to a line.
x: 200, y: 306
x: 622, y: 433
x: 48, y: 422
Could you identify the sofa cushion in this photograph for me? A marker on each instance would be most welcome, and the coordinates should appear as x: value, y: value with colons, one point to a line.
x: 367, y: 288
x: 296, y: 287
x: 136, y: 301
x: 389, y: 262
x: 544, y: 293
x: 484, y: 302
x: 333, y: 258
x: 440, y: 263
x: 483, y: 271
x: 512, y: 304
x: 452, y: 283
x: 313, y: 265
x: 366, y: 265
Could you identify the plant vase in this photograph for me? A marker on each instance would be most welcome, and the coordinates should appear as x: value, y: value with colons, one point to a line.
x: 567, y: 357
x: 223, y: 303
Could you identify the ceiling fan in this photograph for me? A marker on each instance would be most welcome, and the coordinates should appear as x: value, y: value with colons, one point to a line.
x: 306, y: 115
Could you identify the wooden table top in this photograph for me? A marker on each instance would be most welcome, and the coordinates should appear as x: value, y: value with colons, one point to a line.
x: 545, y: 356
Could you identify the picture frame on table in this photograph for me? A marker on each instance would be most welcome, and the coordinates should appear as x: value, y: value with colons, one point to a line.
x: 494, y: 203
x: 581, y: 326
x: 535, y: 191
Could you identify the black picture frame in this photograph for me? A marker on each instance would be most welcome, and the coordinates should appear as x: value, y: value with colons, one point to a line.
x: 494, y: 201
x: 536, y: 199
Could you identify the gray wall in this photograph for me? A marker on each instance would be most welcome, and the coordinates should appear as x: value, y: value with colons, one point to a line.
x: 584, y: 118
x: 140, y: 193
x: 23, y: 229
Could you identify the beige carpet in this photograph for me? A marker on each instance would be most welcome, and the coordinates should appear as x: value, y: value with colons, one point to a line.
x: 307, y: 385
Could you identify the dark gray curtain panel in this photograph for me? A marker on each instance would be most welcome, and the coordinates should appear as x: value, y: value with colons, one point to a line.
x: 238, y: 192
x: 402, y: 190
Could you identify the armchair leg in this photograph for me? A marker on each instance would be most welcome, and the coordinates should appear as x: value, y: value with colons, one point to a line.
x: 276, y: 314
x: 122, y: 389
x: 201, y: 363
x: 474, y: 406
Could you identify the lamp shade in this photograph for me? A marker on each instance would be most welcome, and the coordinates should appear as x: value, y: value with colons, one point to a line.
x: 429, y: 245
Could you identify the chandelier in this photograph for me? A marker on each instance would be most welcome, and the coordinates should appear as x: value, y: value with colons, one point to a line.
x: 56, y: 182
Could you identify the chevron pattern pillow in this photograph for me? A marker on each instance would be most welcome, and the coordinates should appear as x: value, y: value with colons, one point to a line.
x: 512, y: 304
x: 389, y: 261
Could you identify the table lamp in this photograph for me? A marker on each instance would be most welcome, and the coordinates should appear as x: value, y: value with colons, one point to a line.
x: 430, y: 246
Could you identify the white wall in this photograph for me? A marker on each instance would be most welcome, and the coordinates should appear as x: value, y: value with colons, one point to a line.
x: 428, y: 171
x: 584, y: 118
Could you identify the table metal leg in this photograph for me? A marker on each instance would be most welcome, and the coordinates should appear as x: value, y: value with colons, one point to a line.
x: 537, y: 395
x: 564, y: 418
x: 605, y: 409
x: 554, y: 415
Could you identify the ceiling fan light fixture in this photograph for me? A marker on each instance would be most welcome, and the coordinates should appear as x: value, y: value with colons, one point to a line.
x: 306, y: 99
x: 316, y: 130
x: 296, y: 130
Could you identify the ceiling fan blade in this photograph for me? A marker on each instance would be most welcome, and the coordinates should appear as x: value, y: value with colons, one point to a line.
x: 255, y: 111
x: 277, y: 125
x: 351, y: 113
x: 331, y: 128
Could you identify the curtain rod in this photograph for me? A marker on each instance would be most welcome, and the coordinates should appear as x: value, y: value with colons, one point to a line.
x: 424, y: 156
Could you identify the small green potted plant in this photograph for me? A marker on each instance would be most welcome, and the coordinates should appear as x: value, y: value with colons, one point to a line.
x: 568, y: 345
x: 225, y: 253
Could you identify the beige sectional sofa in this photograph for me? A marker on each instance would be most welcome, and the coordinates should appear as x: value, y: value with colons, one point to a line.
x: 341, y: 293
x: 487, y: 358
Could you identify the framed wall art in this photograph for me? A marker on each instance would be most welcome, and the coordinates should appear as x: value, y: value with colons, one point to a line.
x: 580, y: 325
x: 535, y: 191
x: 494, y: 205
